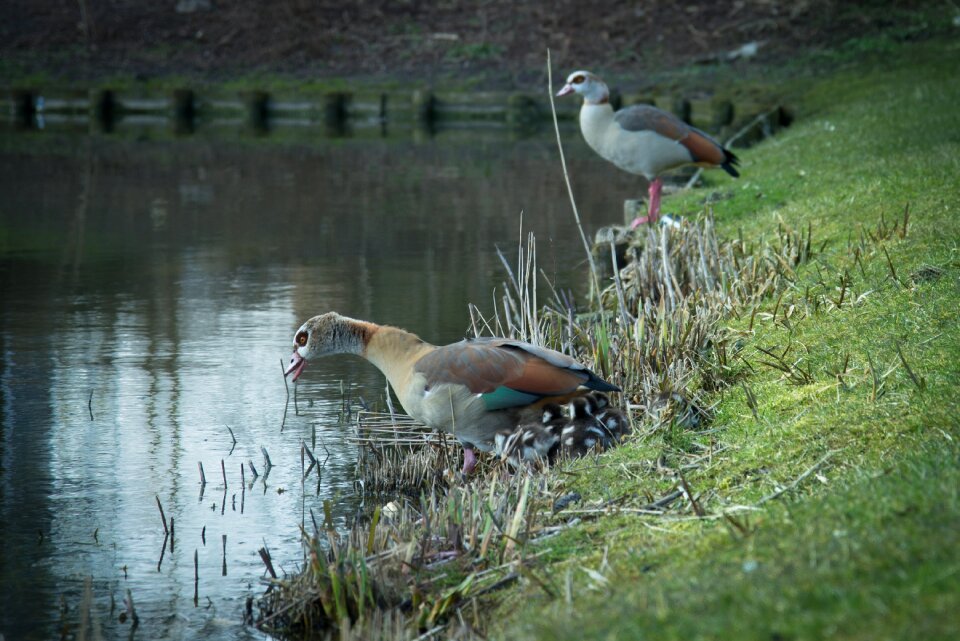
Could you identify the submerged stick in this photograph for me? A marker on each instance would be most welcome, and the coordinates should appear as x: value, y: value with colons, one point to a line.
x: 90, y: 405
x: 196, y: 578
x: 224, y: 571
x: 203, y: 477
x: 265, y: 557
x: 85, y: 608
x: 163, y: 551
x: 166, y: 530
x: 233, y: 437
x: 266, y: 458
x: 223, y: 469
x: 283, y: 421
x: 131, y: 610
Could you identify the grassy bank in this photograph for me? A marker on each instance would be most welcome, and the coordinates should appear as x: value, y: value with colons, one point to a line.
x: 793, y: 472
x: 843, y: 407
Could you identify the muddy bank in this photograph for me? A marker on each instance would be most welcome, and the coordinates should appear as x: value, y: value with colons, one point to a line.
x: 499, y: 44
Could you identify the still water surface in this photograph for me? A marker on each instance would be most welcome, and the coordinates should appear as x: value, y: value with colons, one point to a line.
x: 149, y: 288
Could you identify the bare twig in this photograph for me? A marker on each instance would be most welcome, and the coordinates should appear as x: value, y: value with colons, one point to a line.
x: 266, y: 458
x: 697, y: 508
x: 919, y: 381
x: 566, y: 178
x: 131, y: 610
x: 233, y: 437
x: 283, y: 372
x: 893, y: 272
x: 797, y: 481
x: 166, y: 530
x: 196, y: 577
x: 267, y: 561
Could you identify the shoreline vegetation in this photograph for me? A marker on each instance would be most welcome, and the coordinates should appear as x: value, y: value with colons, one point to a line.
x: 789, y: 357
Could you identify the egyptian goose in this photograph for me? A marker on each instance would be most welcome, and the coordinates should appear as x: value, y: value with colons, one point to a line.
x: 642, y: 139
x: 472, y: 389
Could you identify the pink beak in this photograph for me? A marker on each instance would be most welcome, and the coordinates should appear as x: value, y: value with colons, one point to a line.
x: 297, y: 363
x: 567, y: 89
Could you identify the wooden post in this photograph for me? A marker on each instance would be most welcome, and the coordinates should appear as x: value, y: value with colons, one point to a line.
x: 184, y: 106
x: 258, y: 110
x: 522, y: 110
x: 335, y: 106
x: 103, y: 104
x: 682, y: 109
x: 616, y: 99
x: 383, y: 107
x: 424, y: 105
x: 24, y: 107
x: 723, y: 114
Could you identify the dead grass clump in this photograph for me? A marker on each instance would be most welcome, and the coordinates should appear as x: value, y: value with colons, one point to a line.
x: 422, y: 561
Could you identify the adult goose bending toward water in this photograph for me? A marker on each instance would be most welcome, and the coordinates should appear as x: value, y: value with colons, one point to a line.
x: 642, y: 139
x: 473, y: 389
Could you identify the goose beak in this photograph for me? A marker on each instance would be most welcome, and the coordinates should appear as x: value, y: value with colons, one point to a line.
x: 567, y: 89
x: 297, y: 363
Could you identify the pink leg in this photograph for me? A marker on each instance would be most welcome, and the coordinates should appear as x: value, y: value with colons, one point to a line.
x: 469, y: 461
x: 653, y: 207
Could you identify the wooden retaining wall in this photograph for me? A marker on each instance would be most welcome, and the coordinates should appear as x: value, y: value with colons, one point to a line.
x: 188, y: 108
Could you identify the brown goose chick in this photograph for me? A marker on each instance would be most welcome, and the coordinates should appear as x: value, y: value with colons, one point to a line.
x: 536, y: 437
x: 582, y: 433
x: 612, y: 419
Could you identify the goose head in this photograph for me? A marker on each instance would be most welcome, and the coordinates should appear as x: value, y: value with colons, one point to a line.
x: 323, y: 335
x: 593, y: 90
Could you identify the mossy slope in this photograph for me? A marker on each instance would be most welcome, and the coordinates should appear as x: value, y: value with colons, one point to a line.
x: 854, y: 447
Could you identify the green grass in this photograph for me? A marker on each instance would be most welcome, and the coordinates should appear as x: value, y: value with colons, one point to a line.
x: 864, y: 545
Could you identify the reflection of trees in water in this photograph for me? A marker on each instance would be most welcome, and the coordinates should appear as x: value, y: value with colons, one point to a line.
x: 370, y: 218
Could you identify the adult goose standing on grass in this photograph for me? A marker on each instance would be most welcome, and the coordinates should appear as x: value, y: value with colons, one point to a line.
x: 473, y: 389
x: 642, y: 139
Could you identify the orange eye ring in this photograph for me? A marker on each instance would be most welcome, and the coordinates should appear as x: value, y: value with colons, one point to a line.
x: 301, y: 339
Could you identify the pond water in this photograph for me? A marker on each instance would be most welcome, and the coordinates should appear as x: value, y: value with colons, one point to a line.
x: 149, y: 288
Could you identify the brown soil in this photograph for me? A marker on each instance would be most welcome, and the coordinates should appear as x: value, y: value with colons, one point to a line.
x: 498, y: 42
